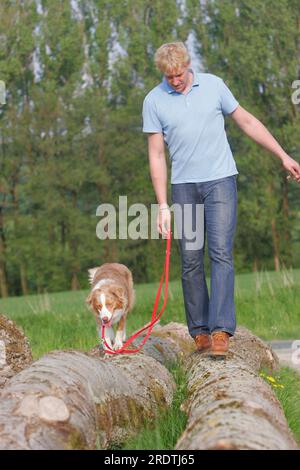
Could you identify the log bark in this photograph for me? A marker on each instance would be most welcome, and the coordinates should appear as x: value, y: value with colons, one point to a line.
x: 15, y: 352
x: 229, y: 405
x: 70, y: 400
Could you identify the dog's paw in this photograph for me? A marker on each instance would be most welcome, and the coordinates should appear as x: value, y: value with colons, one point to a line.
x: 118, y: 344
x: 109, y: 344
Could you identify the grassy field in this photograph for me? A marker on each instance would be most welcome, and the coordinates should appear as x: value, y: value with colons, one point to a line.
x: 286, y: 385
x: 267, y: 303
x: 289, y: 397
x: 164, y: 433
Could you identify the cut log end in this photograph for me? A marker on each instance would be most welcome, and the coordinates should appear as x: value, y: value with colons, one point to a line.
x: 48, y: 408
x: 53, y: 409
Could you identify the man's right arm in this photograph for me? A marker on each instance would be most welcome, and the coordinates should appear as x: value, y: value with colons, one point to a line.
x: 158, y: 166
x: 158, y: 171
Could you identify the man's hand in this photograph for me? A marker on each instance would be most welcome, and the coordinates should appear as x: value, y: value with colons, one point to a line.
x: 163, y: 220
x: 292, y: 167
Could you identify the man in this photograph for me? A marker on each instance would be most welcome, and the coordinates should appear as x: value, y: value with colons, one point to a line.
x: 186, y: 111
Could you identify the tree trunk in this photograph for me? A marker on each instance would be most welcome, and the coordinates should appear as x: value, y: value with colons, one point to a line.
x: 3, y: 277
x: 229, y: 405
x: 15, y: 352
x: 255, y: 265
x: 109, y: 246
x: 3, y: 280
x: 23, y: 278
x: 75, y: 283
x: 276, y: 252
x: 74, y: 248
x: 287, y: 228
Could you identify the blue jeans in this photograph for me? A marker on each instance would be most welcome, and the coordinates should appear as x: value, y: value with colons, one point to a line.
x: 217, y: 313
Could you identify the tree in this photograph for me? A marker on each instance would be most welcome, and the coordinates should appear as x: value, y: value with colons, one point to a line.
x: 243, y: 43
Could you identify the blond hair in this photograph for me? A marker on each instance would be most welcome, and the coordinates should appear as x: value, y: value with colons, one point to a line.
x: 171, y: 57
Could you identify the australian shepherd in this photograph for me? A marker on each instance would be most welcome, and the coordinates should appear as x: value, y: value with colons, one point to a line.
x: 111, y: 298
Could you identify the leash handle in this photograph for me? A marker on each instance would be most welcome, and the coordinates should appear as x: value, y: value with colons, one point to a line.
x: 154, y: 317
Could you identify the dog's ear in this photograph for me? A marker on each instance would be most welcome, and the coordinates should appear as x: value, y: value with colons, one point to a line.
x: 92, y: 273
x: 89, y: 299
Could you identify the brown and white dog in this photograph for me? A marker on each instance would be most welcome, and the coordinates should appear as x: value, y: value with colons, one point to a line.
x: 111, y: 298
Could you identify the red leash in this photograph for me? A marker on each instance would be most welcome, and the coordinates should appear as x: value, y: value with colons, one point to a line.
x: 155, y: 317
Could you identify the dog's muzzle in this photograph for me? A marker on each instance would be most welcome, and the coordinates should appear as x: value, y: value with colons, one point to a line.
x: 105, y: 319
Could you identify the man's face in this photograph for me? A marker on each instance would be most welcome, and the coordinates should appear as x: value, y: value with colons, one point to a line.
x: 179, y: 78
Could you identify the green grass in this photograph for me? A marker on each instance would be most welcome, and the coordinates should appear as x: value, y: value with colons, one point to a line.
x: 165, y: 431
x: 267, y: 303
x: 287, y: 390
x: 53, y: 321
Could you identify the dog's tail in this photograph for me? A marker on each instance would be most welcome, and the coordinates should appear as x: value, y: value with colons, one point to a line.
x: 92, y: 273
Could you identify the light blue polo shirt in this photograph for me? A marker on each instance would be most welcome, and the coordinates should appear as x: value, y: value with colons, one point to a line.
x: 193, y: 127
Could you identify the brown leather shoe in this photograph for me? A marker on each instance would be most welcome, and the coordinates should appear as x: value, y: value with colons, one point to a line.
x: 219, y: 344
x: 203, y: 342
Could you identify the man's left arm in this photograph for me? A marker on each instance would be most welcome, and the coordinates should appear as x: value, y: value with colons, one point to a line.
x: 260, y: 134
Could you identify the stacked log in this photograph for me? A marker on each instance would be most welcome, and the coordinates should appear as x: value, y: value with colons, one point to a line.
x: 15, y: 352
x: 70, y: 400
x: 74, y: 400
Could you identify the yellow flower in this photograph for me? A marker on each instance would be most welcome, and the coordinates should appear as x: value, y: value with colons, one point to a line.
x: 274, y: 381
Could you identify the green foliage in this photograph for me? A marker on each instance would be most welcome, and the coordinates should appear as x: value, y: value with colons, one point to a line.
x: 254, y: 47
x: 71, y: 135
x: 167, y: 428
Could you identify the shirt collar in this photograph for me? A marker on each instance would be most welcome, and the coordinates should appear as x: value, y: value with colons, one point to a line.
x: 170, y: 89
